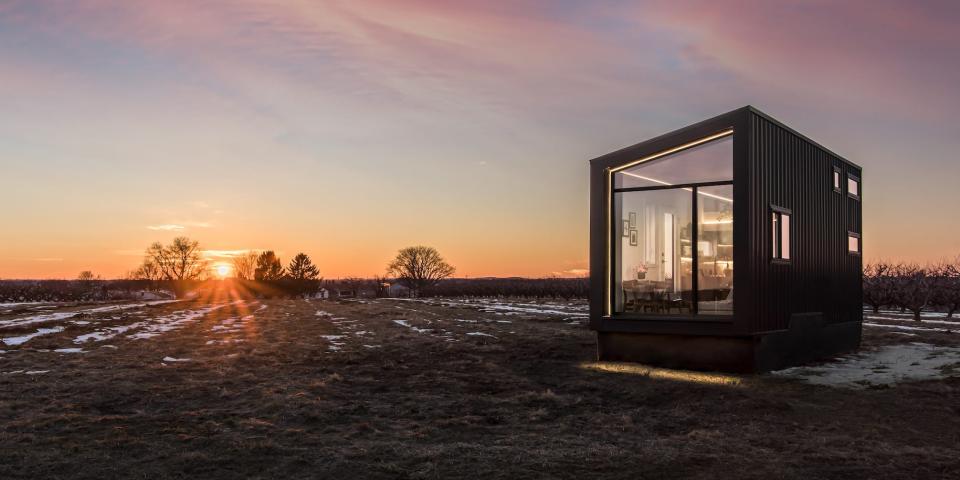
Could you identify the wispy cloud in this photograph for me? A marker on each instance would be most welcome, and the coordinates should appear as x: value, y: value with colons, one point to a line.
x: 179, y: 226
x: 48, y: 259
x: 574, y: 272
x: 169, y: 227
x: 197, y: 224
x: 226, y: 254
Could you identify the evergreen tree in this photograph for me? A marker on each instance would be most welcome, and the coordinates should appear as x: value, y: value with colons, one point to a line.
x: 301, y: 268
x: 268, y: 267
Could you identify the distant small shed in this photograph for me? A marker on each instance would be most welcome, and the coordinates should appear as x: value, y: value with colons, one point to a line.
x: 398, y: 290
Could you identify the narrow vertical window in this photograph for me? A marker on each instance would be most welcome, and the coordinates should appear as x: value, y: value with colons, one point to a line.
x: 853, y: 243
x: 775, y: 237
x: 785, y: 236
x: 780, y: 234
x: 853, y: 186
x: 836, y: 180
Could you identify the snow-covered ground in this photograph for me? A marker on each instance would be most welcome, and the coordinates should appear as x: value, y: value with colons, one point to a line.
x: 926, y: 315
x: 501, y: 307
x: 885, y: 365
x: 152, y: 327
x: 20, y: 340
x: 907, y: 328
x: 57, y: 316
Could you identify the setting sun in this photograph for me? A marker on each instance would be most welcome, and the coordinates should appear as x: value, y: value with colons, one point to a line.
x: 222, y: 270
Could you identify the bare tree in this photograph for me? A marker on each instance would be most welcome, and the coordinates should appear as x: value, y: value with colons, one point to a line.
x: 913, y: 288
x: 947, y: 286
x: 419, y: 267
x: 86, y: 276
x: 268, y: 267
x: 878, y: 285
x: 245, y: 265
x: 146, y: 271
x: 181, y: 260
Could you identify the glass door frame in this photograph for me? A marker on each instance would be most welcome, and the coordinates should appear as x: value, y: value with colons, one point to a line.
x: 695, y: 254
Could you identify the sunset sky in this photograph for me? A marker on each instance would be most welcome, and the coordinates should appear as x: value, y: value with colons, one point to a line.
x: 350, y: 129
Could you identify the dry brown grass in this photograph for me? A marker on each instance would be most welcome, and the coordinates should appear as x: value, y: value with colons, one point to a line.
x: 280, y: 403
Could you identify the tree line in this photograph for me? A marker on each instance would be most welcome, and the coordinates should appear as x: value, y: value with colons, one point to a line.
x: 908, y: 287
x: 912, y: 287
x: 181, y: 263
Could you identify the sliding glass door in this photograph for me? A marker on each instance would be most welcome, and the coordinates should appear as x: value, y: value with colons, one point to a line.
x: 654, y: 257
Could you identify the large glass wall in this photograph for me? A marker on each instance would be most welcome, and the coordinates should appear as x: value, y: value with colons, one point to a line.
x: 673, y: 233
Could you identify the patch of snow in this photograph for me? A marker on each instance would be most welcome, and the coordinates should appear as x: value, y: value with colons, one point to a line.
x: 373, y: 346
x: 898, y: 313
x: 954, y: 323
x: 228, y: 340
x: 321, y: 313
x: 331, y: 337
x: 512, y: 308
x: 172, y: 359
x: 57, y: 316
x: 25, y: 338
x: 405, y: 323
x: 70, y: 350
x: 154, y: 326
x: 45, y: 318
x: 107, y: 333
x: 17, y: 304
x: 262, y: 307
x: 480, y: 334
x: 885, y: 366
x: 36, y: 372
x: 908, y: 328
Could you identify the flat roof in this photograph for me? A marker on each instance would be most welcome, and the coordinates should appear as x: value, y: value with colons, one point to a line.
x: 732, y: 113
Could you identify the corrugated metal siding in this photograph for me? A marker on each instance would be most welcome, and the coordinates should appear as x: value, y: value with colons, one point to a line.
x: 790, y: 172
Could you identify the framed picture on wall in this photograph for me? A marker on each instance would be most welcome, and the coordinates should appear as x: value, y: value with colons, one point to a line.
x: 633, y: 219
x: 633, y: 237
x: 626, y: 228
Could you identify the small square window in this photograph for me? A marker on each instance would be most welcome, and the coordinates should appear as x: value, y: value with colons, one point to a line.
x: 853, y: 186
x: 780, y: 234
x: 836, y: 180
x: 853, y: 243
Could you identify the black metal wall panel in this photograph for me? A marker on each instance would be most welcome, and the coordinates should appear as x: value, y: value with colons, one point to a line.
x: 786, y: 170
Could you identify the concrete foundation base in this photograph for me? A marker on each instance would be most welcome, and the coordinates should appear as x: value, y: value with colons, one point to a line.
x: 807, y: 339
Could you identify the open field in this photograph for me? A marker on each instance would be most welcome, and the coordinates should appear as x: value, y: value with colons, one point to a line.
x: 240, y: 388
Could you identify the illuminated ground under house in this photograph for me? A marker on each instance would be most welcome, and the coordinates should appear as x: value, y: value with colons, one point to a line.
x: 737, y: 203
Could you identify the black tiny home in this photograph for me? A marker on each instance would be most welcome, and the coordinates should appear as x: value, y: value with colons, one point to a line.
x: 672, y: 216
